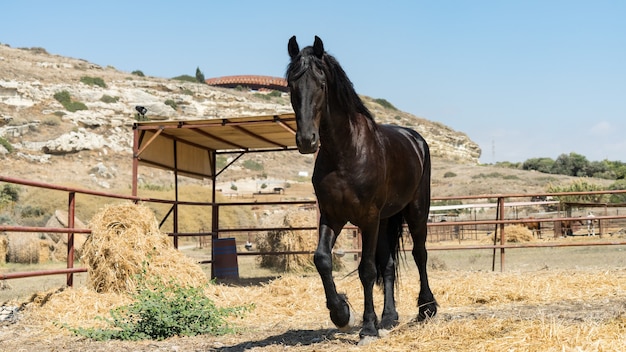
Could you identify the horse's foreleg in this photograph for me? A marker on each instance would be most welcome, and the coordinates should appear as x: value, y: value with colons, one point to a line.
x: 340, y: 313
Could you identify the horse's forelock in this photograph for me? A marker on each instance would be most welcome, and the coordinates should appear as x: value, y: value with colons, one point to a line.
x: 305, y: 60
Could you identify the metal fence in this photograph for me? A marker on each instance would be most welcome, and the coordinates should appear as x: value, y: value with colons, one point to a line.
x: 470, y: 218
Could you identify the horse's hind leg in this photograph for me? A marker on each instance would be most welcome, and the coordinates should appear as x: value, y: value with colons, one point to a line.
x: 388, y: 237
x: 416, y: 218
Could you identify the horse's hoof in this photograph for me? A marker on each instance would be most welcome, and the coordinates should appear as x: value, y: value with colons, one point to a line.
x: 366, y: 340
x: 350, y: 325
x: 427, y: 311
x: 426, y: 314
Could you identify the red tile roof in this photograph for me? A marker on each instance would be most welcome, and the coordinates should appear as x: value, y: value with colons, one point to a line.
x: 250, y: 81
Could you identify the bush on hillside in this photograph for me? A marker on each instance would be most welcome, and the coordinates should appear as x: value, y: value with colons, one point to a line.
x: 65, y: 99
x: 93, y: 81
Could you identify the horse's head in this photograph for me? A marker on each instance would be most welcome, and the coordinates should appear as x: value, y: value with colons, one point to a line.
x: 307, y: 81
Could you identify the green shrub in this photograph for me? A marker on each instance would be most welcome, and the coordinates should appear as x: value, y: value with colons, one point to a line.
x: 252, y: 165
x: 109, y: 99
x: 93, y: 81
x: 6, y: 144
x: 384, y: 103
x: 185, y: 78
x: 171, y: 103
x: 163, y: 312
x: 578, y: 186
x: 138, y: 73
x: 75, y: 106
x: 6, y: 219
x: 620, y: 197
x: 32, y: 211
x: 262, y: 96
x: 449, y: 174
x: 37, y: 50
x: 65, y: 99
x: 10, y: 192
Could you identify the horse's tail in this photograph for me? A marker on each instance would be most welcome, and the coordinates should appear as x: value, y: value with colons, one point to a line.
x: 389, y: 245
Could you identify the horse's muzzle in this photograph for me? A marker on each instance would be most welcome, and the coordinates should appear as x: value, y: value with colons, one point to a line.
x: 307, y: 145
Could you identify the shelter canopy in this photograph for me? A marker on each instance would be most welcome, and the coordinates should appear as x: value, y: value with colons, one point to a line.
x: 190, y: 146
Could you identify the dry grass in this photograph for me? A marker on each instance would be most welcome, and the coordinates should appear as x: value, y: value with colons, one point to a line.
x: 479, y: 311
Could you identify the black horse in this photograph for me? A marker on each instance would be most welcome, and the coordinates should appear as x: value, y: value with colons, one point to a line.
x: 372, y: 175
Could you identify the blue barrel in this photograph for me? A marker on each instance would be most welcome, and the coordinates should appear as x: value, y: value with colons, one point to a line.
x: 225, y: 264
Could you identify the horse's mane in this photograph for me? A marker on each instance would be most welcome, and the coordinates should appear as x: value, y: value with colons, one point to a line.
x: 348, y: 99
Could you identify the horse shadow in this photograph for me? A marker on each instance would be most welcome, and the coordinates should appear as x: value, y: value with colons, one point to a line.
x: 290, y: 338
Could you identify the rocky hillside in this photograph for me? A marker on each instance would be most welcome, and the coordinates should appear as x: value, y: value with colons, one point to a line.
x: 41, y: 139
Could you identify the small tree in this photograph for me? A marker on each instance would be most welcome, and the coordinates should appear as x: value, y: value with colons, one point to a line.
x: 571, y: 165
x: 200, y: 76
x: 539, y: 164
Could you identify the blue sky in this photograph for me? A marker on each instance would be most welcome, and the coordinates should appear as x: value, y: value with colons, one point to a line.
x: 523, y: 79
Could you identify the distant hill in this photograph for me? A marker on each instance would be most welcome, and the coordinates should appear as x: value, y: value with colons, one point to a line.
x: 88, y: 139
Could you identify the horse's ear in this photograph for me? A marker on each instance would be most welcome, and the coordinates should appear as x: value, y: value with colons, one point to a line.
x: 318, y: 47
x: 293, y: 47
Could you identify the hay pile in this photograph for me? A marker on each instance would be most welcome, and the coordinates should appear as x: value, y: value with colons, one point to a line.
x: 126, y: 241
x: 36, y: 248
x: 284, y: 241
x: 25, y: 248
x: 515, y: 234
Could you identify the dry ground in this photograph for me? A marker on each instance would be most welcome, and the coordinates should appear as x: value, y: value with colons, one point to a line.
x: 571, y: 308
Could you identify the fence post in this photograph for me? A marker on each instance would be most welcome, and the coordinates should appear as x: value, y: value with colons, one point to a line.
x: 502, y: 234
x: 215, y: 224
x: 71, y: 208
